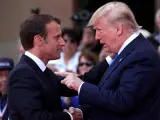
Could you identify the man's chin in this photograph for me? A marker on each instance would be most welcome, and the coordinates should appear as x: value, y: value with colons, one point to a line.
x: 55, y: 57
x: 58, y: 57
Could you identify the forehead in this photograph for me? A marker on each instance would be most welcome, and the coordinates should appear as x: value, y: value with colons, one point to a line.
x: 83, y: 58
x: 98, y: 23
x: 53, y: 27
x: 2, y: 71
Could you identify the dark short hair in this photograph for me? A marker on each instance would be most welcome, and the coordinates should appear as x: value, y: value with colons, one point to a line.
x: 34, y: 25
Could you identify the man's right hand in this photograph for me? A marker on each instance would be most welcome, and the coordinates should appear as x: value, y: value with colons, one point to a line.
x: 75, y: 112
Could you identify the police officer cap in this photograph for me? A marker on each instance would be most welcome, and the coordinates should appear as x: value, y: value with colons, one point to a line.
x: 6, y: 63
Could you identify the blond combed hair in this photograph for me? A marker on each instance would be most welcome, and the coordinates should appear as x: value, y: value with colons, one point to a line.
x: 115, y: 12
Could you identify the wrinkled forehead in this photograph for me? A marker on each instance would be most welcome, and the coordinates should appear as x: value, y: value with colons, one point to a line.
x: 53, y: 26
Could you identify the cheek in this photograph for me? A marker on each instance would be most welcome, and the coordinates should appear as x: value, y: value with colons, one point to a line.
x: 80, y: 68
x: 54, y: 46
x: 105, y: 35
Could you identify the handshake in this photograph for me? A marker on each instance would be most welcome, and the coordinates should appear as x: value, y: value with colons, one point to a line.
x: 75, y: 112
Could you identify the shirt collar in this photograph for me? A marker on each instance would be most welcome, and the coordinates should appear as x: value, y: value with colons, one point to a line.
x: 109, y: 60
x: 39, y: 62
x: 129, y: 40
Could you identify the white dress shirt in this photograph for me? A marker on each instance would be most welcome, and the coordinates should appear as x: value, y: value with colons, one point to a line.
x: 41, y: 65
x: 109, y: 60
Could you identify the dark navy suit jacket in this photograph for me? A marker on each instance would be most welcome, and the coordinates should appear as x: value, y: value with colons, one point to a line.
x: 35, y: 95
x: 130, y: 87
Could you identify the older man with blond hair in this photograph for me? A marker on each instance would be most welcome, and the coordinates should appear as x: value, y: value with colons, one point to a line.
x: 129, y: 88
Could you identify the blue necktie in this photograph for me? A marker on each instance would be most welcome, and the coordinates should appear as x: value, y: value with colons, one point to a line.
x: 104, y: 75
x: 116, y: 55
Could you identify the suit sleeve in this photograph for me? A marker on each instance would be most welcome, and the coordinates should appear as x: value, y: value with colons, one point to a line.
x: 24, y: 95
x: 65, y: 91
x: 137, y: 79
x: 93, y: 76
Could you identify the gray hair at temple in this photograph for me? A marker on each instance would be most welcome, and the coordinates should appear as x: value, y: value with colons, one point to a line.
x: 116, y: 12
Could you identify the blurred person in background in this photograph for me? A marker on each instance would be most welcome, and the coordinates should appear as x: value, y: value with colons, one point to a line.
x: 86, y: 61
x: 6, y: 65
x: 88, y: 36
x: 88, y: 41
x: 155, y: 37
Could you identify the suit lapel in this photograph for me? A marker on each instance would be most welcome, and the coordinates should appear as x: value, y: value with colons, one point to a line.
x: 47, y: 76
x: 33, y: 65
x: 127, y: 50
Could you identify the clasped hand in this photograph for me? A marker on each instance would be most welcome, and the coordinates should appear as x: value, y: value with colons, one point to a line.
x: 75, y: 112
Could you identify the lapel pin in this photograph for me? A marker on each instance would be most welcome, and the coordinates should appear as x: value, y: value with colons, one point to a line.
x: 120, y: 60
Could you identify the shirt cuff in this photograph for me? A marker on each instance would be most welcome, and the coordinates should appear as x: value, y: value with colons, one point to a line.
x: 80, y: 88
x: 109, y: 60
x: 70, y: 115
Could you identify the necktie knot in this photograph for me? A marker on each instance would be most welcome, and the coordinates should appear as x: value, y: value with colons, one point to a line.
x: 116, y: 55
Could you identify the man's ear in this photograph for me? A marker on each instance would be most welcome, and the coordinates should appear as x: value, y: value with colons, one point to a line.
x: 38, y: 40
x: 119, y: 29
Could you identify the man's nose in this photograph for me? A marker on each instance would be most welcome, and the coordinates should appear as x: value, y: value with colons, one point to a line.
x: 62, y: 42
x: 97, y: 36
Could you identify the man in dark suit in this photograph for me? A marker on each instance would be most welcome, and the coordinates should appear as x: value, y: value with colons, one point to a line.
x: 34, y: 91
x: 129, y: 89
